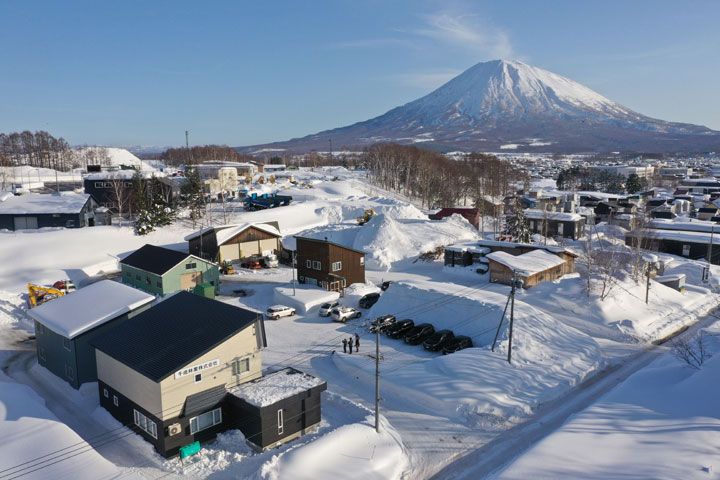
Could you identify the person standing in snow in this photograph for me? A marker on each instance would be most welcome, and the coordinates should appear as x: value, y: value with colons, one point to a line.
x: 357, y: 342
x: 350, y: 342
x: 345, y: 346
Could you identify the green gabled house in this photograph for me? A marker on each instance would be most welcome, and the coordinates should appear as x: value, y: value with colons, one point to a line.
x: 161, y: 270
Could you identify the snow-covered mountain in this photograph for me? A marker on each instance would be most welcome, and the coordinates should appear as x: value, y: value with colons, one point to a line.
x: 511, y: 105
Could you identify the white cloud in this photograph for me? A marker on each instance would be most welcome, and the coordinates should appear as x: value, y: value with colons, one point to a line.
x: 424, y: 80
x: 468, y: 32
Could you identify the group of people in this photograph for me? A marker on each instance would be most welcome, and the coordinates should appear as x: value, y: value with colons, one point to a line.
x: 348, y: 342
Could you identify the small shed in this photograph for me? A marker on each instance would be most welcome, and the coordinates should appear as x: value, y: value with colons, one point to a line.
x: 551, y: 224
x: 37, y: 210
x: 65, y: 327
x: 160, y: 271
x: 277, y: 407
x: 234, y: 242
x: 472, y: 215
x: 533, y: 267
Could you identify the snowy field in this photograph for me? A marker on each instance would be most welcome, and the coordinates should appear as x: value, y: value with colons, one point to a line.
x: 435, y: 408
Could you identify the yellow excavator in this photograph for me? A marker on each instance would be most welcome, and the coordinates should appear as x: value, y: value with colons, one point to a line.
x: 369, y: 213
x: 38, y: 294
x: 261, y: 180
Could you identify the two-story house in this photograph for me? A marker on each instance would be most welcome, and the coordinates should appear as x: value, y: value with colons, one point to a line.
x: 328, y: 265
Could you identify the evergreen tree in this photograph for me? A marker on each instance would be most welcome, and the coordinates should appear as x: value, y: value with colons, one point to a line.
x: 161, y: 210
x: 633, y: 184
x: 516, y: 224
x: 192, y: 196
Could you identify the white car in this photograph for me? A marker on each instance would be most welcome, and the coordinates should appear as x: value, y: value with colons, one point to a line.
x: 326, y: 308
x: 277, y: 311
x: 343, y: 314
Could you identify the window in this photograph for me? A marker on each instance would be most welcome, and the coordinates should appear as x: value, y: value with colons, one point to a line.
x: 302, y: 279
x: 39, y: 329
x: 158, y: 284
x: 66, y: 344
x: 147, y: 280
x: 41, y: 353
x: 336, y: 266
x: 686, y: 251
x: 69, y: 372
x: 69, y: 223
x: 98, y: 184
x: 362, y: 260
x: 317, y: 265
x: 137, y: 277
x: 311, y: 281
x: 145, y: 424
x: 115, y: 400
x: 107, y: 185
x: 532, y: 224
x: 308, y: 264
x: 280, y: 422
x: 560, y: 228
x: 127, y: 185
x: 206, y: 420
x: 241, y: 366
x: 198, y: 377
x: 128, y: 274
x: 190, y: 266
x: 105, y: 393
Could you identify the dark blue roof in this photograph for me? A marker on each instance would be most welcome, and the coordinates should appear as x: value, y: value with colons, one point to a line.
x: 154, y: 259
x: 161, y: 340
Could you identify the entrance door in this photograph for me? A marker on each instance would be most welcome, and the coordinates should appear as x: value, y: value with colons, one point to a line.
x: 22, y: 223
x: 189, y: 280
x: 335, y: 286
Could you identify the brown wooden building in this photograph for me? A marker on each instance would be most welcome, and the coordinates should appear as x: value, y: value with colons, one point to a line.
x: 533, y: 267
x: 234, y: 242
x: 328, y: 265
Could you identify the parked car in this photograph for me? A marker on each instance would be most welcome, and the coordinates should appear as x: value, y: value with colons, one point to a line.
x: 437, y: 340
x: 277, y: 311
x: 253, y: 263
x: 369, y: 300
x: 419, y: 333
x: 326, y: 308
x: 270, y: 261
x: 343, y: 314
x: 458, y: 343
x: 399, y: 328
x: 385, y: 285
x: 381, y: 324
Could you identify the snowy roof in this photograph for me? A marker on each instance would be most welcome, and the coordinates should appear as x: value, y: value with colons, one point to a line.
x: 681, y: 236
x: 226, y: 232
x: 539, y: 214
x: 548, y: 248
x: 527, y: 263
x: 38, y: 203
x: 274, y: 387
x: 89, y: 307
x: 693, y: 226
x: 471, y: 247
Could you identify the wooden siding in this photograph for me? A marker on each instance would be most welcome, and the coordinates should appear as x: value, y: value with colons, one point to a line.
x: 327, y: 254
x: 500, y: 273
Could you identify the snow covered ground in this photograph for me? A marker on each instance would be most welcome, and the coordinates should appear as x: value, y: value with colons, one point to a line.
x: 435, y: 408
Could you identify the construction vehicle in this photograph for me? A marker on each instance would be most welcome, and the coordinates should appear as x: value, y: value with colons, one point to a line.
x: 369, y: 213
x: 261, y: 180
x: 38, y: 294
x: 227, y: 268
x: 248, y: 179
x: 272, y: 179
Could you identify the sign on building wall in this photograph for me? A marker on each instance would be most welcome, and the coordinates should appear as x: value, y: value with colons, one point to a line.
x: 197, y: 368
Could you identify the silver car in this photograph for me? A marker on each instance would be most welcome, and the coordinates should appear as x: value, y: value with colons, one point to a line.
x: 326, y: 308
x: 277, y: 311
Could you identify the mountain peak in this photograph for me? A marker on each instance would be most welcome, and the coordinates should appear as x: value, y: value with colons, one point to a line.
x: 503, y: 104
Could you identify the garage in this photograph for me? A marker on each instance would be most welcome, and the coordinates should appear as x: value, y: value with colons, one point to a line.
x: 189, y: 280
x: 25, y: 223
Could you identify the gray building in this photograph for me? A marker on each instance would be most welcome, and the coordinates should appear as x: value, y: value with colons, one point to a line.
x: 37, y: 210
x: 65, y: 326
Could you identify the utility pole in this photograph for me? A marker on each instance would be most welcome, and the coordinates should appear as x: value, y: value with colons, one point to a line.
x: 647, y: 286
x: 512, y: 315
x: 377, y: 380
x: 497, y: 333
x: 293, y: 270
x: 330, y: 140
x: 709, y: 256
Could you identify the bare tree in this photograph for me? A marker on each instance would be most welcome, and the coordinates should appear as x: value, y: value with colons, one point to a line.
x: 693, y: 351
x: 120, y: 193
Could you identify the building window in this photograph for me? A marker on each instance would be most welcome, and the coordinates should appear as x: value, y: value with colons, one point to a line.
x: 198, y: 377
x: 311, y: 281
x: 98, y: 185
x: 115, y: 400
x: 336, y: 266
x: 317, y: 265
x: 147, y: 280
x: 137, y: 277
x: 362, y: 260
x: 206, y: 420
x: 39, y: 329
x: 147, y: 425
x: 158, y: 284
x: 107, y: 185
x: 128, y: 274
x: 686, y: 251
x: 69, y: 372
x: 302, y: 279
x: 560, y: 228
x: 532, y: 225
x: 66, y: 344
x: 105, y: 393
x: 308, y: 263
x: 190, y: 266
x: 280, y: 422
x: 241, y: 366
x: 41, y: 353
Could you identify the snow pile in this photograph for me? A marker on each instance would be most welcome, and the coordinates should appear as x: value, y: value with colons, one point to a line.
x: 115, y: 156
x: 36, y: 203
x: 13, y: 311
x: 351, y: 451
x: 273, y: 387
x: 34, y: 440
x: 304, y: 298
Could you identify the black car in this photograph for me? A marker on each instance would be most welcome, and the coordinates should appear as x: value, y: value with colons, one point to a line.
x: 369, y: 300
x: 419, y: 333
x: 437, y: 340
x: 399, y: 328
x: 458, y: 343
x: 385, y: 285
x: 382, y: 323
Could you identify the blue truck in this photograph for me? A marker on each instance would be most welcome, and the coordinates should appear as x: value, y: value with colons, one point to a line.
x: 266, y: 200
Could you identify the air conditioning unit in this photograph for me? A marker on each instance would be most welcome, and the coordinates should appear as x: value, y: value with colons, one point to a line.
x: 174, y: 429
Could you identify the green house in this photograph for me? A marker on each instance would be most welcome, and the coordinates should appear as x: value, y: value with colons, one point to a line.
x: 161, y: 270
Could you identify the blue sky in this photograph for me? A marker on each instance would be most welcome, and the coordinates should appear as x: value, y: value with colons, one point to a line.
x: 240, y: 73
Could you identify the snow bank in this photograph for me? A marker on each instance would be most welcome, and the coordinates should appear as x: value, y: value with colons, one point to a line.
x: 305, y: 299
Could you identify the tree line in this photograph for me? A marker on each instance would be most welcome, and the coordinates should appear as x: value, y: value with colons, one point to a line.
x: 438, y: 181
x: 38, y: 149
x: 203, y: 153
x: 581, y: 178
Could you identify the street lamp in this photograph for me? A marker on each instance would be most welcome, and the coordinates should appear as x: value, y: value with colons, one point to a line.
x: 651, y: 264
